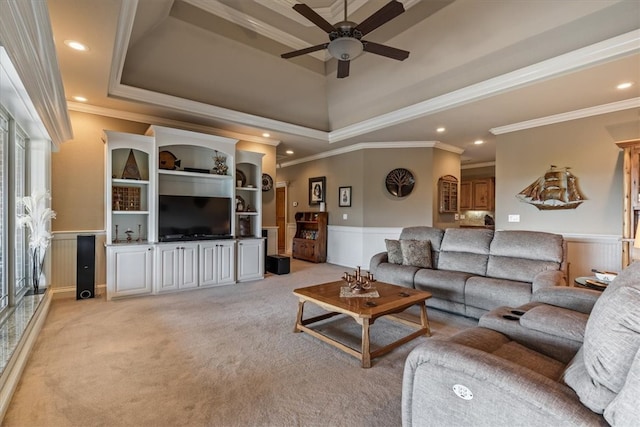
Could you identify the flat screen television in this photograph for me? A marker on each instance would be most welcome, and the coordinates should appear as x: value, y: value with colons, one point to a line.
x: 193, y: 218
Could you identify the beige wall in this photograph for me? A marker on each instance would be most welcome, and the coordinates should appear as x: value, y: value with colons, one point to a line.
x: 585, y: 145
x: 365, y: 171
x: 77, y: 173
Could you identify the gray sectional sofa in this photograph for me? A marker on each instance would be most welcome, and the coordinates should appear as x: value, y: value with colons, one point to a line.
x: 570, y: 357
x: 472, y: 271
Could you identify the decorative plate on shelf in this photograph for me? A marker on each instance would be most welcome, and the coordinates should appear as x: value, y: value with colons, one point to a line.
x: 240, y: 176
x: 267, y: 182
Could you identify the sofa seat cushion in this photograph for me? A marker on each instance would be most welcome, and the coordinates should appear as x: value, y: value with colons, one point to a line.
x: 416, y: 253
x: 487, y: 293
x: 396, y: 274
x: 448, y: 285
x: 501, y: 346
x: 556, y: 321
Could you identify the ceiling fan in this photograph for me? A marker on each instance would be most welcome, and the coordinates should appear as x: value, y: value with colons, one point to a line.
x: 345, y: 38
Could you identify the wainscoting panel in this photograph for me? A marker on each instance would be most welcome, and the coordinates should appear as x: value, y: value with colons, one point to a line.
x: 354, y: 246
x: 63, y: 259
x: 585, y: 252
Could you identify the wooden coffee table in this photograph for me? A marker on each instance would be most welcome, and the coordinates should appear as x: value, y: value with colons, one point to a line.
x: 364, y: 310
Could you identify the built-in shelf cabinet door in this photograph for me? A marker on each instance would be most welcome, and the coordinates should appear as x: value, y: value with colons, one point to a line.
x: 250, y: 259
x: 217, y: 262
x: 176, y: 266
x: 129, y: 270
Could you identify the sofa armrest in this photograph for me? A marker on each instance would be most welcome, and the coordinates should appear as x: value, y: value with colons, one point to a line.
x: 577, y: 299
x: 376, y: 260
x: 547, y: 279
x: 502, y: 392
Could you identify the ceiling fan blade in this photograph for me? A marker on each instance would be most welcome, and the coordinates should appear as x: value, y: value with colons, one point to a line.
x: 304, y: 51
x: 343, y: 69
x: 388, y: 51
x: 385, y: 14
x: 312, y: 16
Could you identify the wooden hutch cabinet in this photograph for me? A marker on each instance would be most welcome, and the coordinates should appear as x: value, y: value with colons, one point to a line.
x: 448, y: 194
x: 631, y: 190
x: 310, y: 241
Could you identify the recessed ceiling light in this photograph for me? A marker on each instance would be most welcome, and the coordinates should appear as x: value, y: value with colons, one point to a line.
x: 440, y: 129
x: 478, y: 142
x: 266, y: 135
x: 76, y: 45
x: 289, y: 151
x: 625, y: 85
x: 80, y: 98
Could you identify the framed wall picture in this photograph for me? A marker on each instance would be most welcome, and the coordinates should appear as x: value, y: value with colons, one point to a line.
x: 344, y: 197
x: 317, y: 188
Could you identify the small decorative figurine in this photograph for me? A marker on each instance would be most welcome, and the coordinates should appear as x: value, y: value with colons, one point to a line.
x: 220, y: 164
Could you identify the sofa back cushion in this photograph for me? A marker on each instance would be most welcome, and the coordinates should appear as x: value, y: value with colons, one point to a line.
x: 432, y: 234
x: 465, y: 250
x: 521, y: 255
x: 611, y: 341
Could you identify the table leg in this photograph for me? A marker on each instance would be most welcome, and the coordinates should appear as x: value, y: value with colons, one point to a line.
x: 366, y: 345
x: 299, y: 317
x: 424, y: 320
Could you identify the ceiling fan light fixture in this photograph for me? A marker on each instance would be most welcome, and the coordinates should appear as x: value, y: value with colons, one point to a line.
x: 345, y: 48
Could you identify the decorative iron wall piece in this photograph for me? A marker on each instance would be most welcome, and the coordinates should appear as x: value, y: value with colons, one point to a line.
x: 400, y: 182
x: 556, y: 189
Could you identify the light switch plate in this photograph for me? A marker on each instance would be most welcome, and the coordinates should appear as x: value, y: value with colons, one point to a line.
x: 514, y: 218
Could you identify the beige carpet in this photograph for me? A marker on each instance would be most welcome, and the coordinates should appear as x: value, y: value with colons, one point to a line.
x: 222, y: 356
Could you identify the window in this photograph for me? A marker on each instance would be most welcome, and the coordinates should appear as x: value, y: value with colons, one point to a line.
x: 21, y: 273
x: 4, y: 142
x: 14, y: 250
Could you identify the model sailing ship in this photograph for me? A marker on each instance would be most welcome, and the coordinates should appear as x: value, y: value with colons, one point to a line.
x: 556, y: 189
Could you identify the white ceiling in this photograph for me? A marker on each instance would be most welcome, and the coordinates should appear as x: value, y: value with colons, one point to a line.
x: 215, y: 65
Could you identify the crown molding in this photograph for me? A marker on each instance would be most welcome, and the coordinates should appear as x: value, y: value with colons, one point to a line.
x: 25, y: 32
x: 155, y: 120
x: 619, y: 46
x: 571, y: 115
x: 239, y: 18
x: 377, y: 145
x: 211, y: 111
x: 121, y: 43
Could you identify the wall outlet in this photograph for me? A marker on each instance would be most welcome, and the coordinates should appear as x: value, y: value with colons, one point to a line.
x: 345, y: 216
x: 514, y: 218
x: 295, y: 204
x: 456, y: 217
x: 462, y: 216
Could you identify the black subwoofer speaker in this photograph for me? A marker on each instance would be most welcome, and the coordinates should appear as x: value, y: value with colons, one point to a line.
x: 86, y: 266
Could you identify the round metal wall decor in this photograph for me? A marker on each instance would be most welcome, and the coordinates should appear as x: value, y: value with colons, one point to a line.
x: 267, y: 182
x: 400, y: 182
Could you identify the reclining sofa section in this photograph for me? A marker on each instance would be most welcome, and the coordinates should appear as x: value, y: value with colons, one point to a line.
x: 475, y: 270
